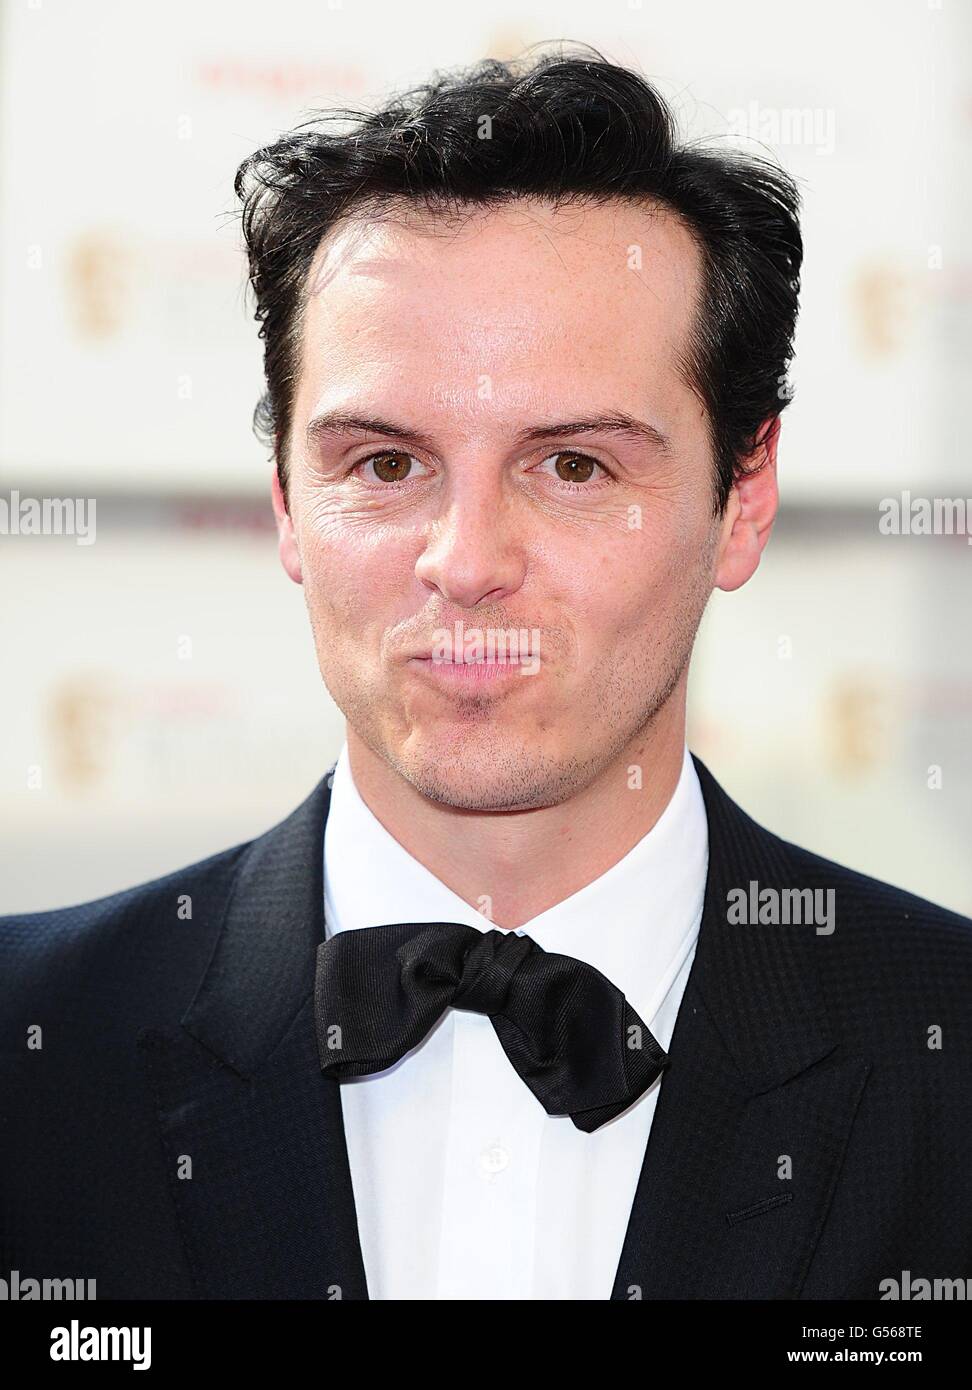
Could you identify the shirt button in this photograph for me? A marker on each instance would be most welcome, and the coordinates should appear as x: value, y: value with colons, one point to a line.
x: 494, y: 1159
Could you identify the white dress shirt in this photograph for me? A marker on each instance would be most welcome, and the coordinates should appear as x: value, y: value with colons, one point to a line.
x: 465, y: 1188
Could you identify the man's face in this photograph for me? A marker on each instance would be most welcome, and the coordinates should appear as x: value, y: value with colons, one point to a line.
x: 600, y: 547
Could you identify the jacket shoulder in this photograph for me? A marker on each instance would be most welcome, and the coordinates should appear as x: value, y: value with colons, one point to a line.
x: 138, y: 955
x: 135, y: 933
x: 877, y: 909
x: 871, y: 911
x: 893, y: 963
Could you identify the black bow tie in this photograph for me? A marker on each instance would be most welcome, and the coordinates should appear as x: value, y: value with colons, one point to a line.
x: 571, y: 1034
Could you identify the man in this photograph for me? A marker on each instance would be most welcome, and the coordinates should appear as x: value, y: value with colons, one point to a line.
x: 518, y: 1004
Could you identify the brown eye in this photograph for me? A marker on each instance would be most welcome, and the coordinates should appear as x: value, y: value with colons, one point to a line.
x: 577, y: 469
x: 391, y: 467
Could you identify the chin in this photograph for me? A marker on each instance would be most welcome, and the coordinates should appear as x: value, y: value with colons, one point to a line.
x: 499, y: 771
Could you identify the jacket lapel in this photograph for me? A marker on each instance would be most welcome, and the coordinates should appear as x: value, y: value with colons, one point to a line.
x: 268, y: 1211
x: 756, y: 1082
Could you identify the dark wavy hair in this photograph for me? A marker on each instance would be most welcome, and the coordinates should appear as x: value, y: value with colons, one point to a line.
x: 564, y: 128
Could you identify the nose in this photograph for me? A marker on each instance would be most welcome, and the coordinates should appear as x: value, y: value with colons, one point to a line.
x: 473, y: 552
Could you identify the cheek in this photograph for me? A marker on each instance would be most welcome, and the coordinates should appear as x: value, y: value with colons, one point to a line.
x: 355, y: 580
x: 649, y: 591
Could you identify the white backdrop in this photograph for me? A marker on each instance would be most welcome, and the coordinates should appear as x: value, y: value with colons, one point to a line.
x: 128, y: 359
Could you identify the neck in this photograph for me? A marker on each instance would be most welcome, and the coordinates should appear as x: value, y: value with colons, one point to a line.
x: 527, y: 861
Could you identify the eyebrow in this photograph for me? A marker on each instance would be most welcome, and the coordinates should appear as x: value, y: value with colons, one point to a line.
x: 618, y: 422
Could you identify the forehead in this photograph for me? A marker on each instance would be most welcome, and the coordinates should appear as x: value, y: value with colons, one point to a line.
x: 536, y: 300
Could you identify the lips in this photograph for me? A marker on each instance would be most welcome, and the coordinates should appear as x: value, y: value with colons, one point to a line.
x: 444, y: 672
x: 444, y: 663
x: 478, y: 661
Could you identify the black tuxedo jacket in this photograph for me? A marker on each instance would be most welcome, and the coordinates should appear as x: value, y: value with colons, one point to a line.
x: 169, y: 1040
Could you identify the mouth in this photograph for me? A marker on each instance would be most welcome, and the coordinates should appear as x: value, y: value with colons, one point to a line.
x: 441, y: 669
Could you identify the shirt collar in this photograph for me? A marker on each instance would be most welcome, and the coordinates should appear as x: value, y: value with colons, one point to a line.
x: 635, y: 923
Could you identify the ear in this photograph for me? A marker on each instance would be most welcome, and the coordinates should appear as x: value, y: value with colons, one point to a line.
x: 286, y: 540
x: 750, y: 513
